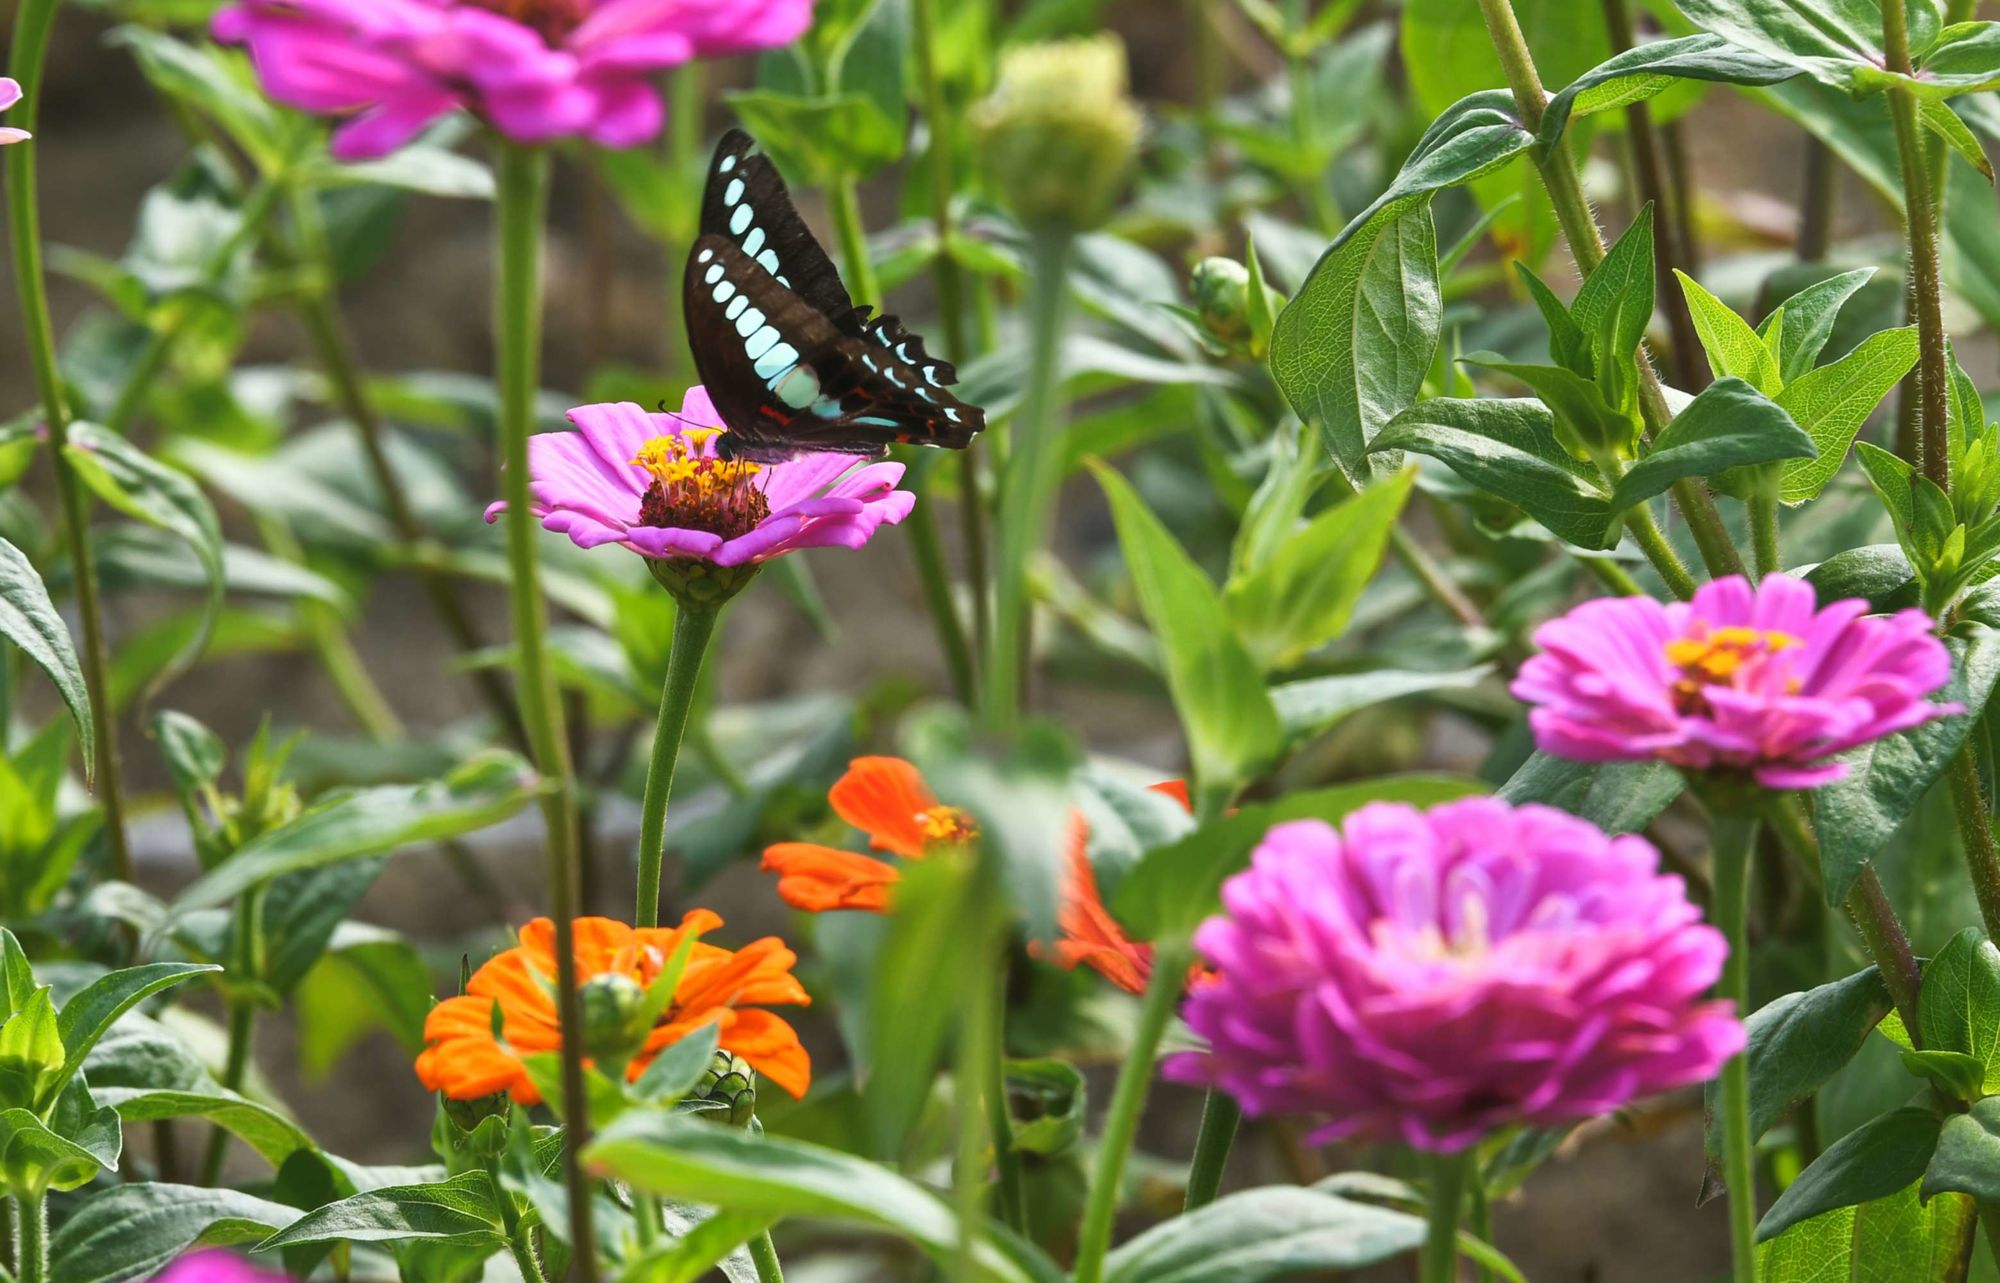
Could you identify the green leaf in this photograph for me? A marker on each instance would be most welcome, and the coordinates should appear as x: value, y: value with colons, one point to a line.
x: 134, y: 1231
x: 29, y: 620
x: 35, y: 1159
x: 1174, y: 887
x: 820, y: 141
x: 1046, y: 1100
x: 365, y: 979
x: 1855, y: 816
x: 1618, y: 797
x: 1879, y: 574
x: 1873, y: 1161
x: 1967, y: 1158
x: 31, y: 1053
x: 1232, y: 729
x: 675, y: 1071
x: 1893, y: 1238
x: 423, y: 168
x: 1302, y: 597
x: 1799, y: 1041
x: 88, y: 1015
x: 1959, y: 1006
x: 371, y: 821
x: 1615, y: 303
x: 141, y: 487
x: 1832, y: 402
x: 1271, y: 1233
x: 926, y: 964
x: 1358, y: 284
x: 679, y: 1157
x: 701, y: 1248
x: 1508, y: 448
x: 1650, y: 69
x: 1834, y: 40
x: 1585, y: 419
x: 274, y: 1137
x: 213, y: 81
x: 1730, y: 425
x: 1734, y: 349
x: 1809, y: 318
x: 1316, y: 704
x: 1940, y: 119
x: 460, y: 1210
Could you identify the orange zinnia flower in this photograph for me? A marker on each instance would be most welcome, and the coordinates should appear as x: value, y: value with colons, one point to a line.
x: 462, y: 1058
x: 887, y: 799
x: 1090, y: 935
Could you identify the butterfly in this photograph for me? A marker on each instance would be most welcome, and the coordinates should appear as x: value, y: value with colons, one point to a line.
x: 792, y: 365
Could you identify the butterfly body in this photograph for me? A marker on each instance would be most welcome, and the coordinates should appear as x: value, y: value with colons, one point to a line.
x: 792, y: 365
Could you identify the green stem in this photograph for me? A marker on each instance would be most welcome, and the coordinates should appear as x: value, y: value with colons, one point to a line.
x: 1220, y: 1115
x: 31, y: 1238
x: 1975, y: 828
x: 1446, y: 1202
x: 1586, y: 246
x: 1921, y: 228
x: 1733, y: 837
x: 1764, y: 532
x: 927, y: 549
x: 1816, y: 202
x: 991, y: 1013
x: 944, y: 266
x: 328, y: 637
x: 694, y: 630
x: 1989, y: 1220
x: 1033, y: 471
x: 764, y: 1256
x: 685, y: 90
x: 32, y: 27
x: 1128, y: 1099
x: 1666, y: 562
x: 1613, y: 576
x: 1433, y: 579
x: 247, y: 946
x: 1482, y: 1221
x: 845, y: 209
x: 523, y: 200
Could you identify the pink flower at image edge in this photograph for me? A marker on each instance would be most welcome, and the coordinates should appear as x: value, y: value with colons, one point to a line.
x: 587, y: 485
x: 1431, y: 977
x: 1741, y: 678
x: 536, y: 70
x: 215, y: 1266
x: 10, y: 93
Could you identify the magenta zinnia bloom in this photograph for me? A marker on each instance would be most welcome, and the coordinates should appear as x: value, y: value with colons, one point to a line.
x: 1430, y: 977
x: 536, y: 70
x: 216, y: 1266
x: 653, y: 483
x: 1739, y: 679
x: 10, y: 93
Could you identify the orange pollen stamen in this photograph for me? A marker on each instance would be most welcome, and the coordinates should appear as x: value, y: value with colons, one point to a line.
x: 694, y: 490
x: 946, y: 824
x: 1710, y: 657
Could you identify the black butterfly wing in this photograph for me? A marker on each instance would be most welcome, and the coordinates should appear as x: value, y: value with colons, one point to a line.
x: 747, y: 203
x: 785, y: 380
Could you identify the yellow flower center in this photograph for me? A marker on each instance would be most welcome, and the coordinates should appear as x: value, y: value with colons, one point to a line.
x: 694, y: 490
x: 946, y: 825
x: 1716, y: 656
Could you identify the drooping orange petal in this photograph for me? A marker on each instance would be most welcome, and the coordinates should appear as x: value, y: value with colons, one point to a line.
x: 884, y: 797
x: 1175, y: 789
x: 772, y: 1047
x: 819, y: 878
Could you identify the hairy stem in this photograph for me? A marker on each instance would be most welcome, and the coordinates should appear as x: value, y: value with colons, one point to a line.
x: 1920, y: 227
x: 31, y: 1238
x: 1975, y: 827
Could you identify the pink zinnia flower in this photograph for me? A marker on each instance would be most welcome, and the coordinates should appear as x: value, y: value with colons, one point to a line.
x: 1430, y: 977
x: 10, y: 93
x: 216, y: 1266
x: 534, y: 69
x: 653, y: 483
x: 1739, y: 679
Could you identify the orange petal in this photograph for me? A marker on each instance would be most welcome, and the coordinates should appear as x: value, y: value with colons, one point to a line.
x: 1090, y: 934
x: 1175, y: 789
x: 819, y: 878
x: 884, y: 798
x: 772, y: 1047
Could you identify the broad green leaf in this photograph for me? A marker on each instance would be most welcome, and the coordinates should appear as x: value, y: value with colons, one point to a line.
x: 675, y: 1071
x: 1964, y: 59
x: 679, y: 1157
x: 29, y: 620
x: 424, y: 168
x: 274, y: 1137
x: 88, y: 1015
x: 1508, y: 448
x: 1894, y: 1238
x: 1958, y: 1008
x: 1174, y: 887
x: 1832, y: 402
x: 1799, y: 1041
x: 1302, y: 597
x: 1315, y: 343
x: 695, y: 1253
x: 31, y: 1053
x: 34, y: 1158
x: 1967, y: 1158
x: 195, y: 756
x: 366, y: 979
x: 460, y: 1210
x: 1873, y: 1161
x: 1650, y: 69
x: 1232, y: 730
x: 1585, y: 419
x: 1615, y: 302
x: 1834, y: 40
x: 142, y: 487
x: 1734, y: 349
x: 821, y: 141
x: 134, y: 1231
x: 1730, y: 425
x: 1618, y: 797
x: 1855, y: 816
x: 1809, y: 318
x: 1271, y: 1233
x: 1940, y: 119
x: 1879, y: 574
x: 371, y: 821
x: 1316, y: 704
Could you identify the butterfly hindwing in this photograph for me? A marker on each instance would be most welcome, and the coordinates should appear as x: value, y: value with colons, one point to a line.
x: 785, y: 379
x: 747, y: 203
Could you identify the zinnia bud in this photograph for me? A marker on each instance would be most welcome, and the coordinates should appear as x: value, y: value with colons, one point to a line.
x: 616, y: 1017
x: 1221, y: 288
x: 731, y: 1087
x: 1059, y: 133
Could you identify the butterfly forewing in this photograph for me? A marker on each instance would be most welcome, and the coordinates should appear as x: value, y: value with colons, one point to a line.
x: 747, y: 203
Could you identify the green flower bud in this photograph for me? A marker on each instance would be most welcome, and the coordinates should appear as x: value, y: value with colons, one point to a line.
x: 698, y: 583
x: 615, y: 1017
x: 1059, y: 134
x: 730, y: 1084
x: 1221, y: 288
